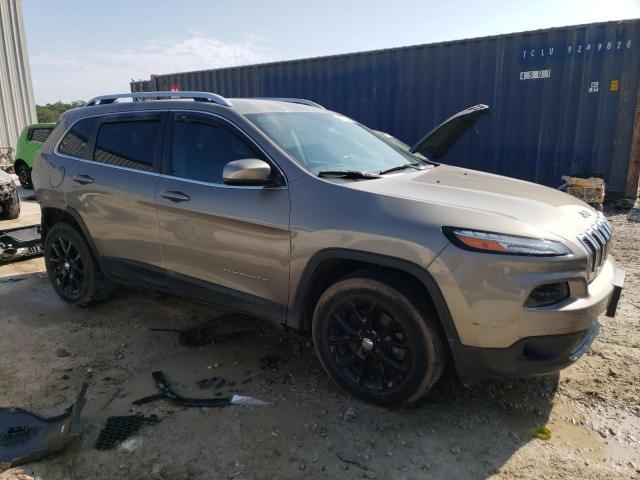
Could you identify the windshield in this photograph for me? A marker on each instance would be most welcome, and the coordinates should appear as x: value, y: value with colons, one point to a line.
x: 326, y: 141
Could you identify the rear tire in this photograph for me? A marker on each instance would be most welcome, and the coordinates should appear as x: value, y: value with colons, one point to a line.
x: 11, y: 208
x: 72, y: 270
x: 24, y: 175
x: 378, y: 340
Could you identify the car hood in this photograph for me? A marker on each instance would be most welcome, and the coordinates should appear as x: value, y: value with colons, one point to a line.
x: 471, y: 199
x: 438, y: 141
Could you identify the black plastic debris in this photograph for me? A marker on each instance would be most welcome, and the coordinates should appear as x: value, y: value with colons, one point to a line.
x: 118, y: 429
x: 149, y: 399
x: 25, y: 437
x: 168, y: 394
x: 20, y: 243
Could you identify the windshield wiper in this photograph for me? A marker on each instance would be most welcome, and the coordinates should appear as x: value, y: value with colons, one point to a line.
x: 348, y: 174
x: 404, y: 166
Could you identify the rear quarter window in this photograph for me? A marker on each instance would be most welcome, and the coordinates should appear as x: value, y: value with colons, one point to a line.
x: 76, y: 141
x: 39, y: 134
x: 129, y: 144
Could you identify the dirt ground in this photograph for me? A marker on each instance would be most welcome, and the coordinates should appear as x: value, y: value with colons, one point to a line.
x: 47, y: 349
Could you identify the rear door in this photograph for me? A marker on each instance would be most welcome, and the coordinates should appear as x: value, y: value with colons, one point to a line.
x: 113, y: 188
x: 234, y: 238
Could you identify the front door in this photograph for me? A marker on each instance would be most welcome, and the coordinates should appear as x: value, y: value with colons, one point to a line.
x: 233, y: 240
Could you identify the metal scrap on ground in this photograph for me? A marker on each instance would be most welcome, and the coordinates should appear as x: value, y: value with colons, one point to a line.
x: 20, y: 243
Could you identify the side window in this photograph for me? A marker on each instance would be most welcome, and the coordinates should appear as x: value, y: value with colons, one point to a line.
x: 128, y: 144
x: 39, y: 134
x: 201, y: 149
x: 76, y: 141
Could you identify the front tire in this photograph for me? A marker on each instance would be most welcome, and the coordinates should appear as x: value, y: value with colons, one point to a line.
x: 378, y: 340
x: 72, y: 270
x: 24, y: 175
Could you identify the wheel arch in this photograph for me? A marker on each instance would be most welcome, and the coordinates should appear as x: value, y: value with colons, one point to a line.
x: 53, y: 215
x: 328, y: 266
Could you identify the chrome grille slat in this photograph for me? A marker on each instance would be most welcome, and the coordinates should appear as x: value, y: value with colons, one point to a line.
x: 602, y: 229
x: 596, y: 241
x: 591, y: 249
x: 598, y: 247
x: 606, y: 235
x: 601, y: 247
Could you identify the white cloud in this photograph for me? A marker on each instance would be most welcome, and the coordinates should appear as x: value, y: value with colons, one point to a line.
x: 68, y: 72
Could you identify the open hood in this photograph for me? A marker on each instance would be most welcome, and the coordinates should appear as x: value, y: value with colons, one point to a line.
x: 438, y: 141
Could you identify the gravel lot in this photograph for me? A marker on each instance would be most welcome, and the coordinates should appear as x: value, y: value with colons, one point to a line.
x: 48, y: 348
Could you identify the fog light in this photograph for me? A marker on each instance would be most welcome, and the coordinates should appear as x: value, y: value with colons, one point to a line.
x: 547, y: 294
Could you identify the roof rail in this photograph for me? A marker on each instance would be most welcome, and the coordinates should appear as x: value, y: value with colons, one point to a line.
x: 302, y: 101
x: 197, y: 96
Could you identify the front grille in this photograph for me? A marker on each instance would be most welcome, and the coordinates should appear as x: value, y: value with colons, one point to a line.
x: 596, y: 240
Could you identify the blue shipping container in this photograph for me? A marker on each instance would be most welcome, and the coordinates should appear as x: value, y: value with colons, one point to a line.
x: 564, y: 100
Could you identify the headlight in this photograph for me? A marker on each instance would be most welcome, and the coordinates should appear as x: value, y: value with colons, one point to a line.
x: 489, y: 242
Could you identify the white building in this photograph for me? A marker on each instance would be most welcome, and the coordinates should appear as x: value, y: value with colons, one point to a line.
x: 17, y: 105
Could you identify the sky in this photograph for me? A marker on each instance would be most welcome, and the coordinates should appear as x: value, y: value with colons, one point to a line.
x: 82, y: 48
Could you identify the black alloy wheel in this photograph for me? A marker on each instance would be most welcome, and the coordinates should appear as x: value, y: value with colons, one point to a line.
x: 71, y: 267
x: 368, y: 345
x: 378, y: 338
x: 67, y: 266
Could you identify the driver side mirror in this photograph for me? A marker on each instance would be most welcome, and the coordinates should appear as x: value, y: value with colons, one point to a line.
x: 248, y: 171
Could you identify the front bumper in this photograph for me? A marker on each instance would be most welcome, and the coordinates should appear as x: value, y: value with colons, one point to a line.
x: 528, y: 357
x: 485, y: 295
x: 497, y: 336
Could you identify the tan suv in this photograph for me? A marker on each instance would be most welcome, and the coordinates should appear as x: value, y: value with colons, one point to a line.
x: 395, y: 263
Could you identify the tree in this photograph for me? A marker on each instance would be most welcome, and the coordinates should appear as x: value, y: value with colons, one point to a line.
x: 50, y: 113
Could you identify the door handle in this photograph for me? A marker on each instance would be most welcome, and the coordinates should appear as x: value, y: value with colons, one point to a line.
x: 175, y: 196
x: 83, y: 179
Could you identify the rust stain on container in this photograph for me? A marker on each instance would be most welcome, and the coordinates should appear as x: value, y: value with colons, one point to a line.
x: 633, y: 176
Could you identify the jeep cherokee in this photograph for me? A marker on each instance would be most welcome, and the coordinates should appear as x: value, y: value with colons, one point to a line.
x: 395, y: 263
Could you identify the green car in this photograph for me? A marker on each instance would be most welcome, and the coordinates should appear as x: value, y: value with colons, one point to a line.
x: 29, y: 144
